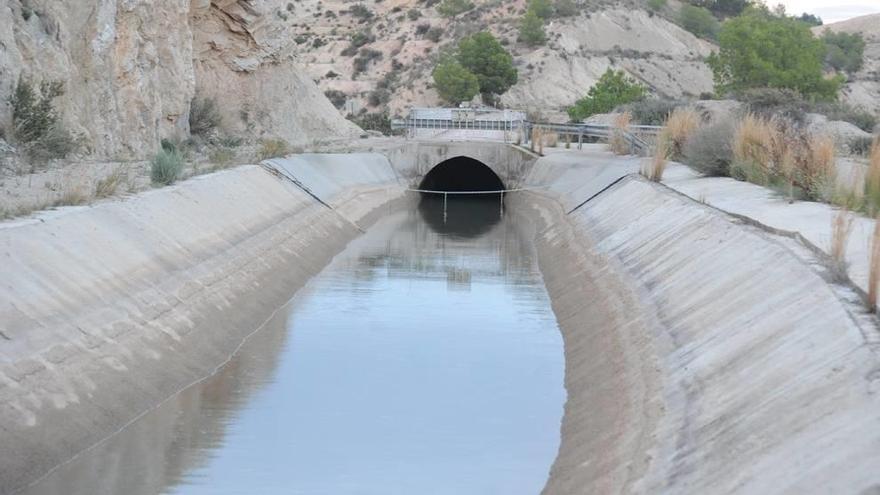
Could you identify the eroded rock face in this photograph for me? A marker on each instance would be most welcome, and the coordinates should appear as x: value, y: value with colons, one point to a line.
x: 243, y: 59
x: 131, y: 72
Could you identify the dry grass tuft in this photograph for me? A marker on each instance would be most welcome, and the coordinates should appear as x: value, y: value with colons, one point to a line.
x: 273, y: 148
x: 654, y: 167
x: 817, y: 171
x: 73, y: 196
x: 617, y: 140
x: 841, y: 228
x: 753, y: 144
x: 874, y: 267
x: 872, y: 179
x: 109, y: 185
x: 778, y: 153
x: 680, y: 125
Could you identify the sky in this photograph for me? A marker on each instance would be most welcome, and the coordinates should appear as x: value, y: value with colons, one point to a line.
x: 830, y: 10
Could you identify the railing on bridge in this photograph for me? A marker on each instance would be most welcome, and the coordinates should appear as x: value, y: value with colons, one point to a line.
x: 640, y: 137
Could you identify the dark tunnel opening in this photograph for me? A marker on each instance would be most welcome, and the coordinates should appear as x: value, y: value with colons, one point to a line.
x: 462, y: 215
x: 461, y: 174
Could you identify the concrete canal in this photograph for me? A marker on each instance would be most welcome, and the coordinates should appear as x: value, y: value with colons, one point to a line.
x: 424, y: 359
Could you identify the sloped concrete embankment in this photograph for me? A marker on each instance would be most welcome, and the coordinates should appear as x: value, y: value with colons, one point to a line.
x: 702, y: 354
x: 108, y: 310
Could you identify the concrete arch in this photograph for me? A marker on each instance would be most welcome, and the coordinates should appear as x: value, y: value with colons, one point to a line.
x: 461, y: 173
x: 414, y: 160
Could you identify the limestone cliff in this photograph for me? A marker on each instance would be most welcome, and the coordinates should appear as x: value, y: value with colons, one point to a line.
x: 132, y: 67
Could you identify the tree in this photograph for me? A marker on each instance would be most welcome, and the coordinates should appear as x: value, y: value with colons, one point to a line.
x: 541, y: 8
x: 484, y: 56
x: 451, y: 8
x: 758, y: 50
x: 612, y: 89
x: 845, y: 50
x: 729, y: 8
x: 810, y: 19
x: 699, y: 21
x: 531, y: 29
x: 454, y: 83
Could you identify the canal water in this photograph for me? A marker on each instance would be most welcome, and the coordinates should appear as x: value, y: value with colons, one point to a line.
x: 424, y: 359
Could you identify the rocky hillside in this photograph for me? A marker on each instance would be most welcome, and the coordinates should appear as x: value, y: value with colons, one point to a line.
x: 131, y: 69
x: 863, y: 88
x: 381, y: 54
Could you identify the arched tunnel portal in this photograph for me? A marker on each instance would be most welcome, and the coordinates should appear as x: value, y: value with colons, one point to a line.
x: 461, y: 173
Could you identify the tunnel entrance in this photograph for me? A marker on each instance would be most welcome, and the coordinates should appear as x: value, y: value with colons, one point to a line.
x: 461, y: 174
x: 453, y: 204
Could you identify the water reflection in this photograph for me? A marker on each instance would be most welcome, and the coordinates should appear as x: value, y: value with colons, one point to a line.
x: 464, y: 216
x: 422, y: 360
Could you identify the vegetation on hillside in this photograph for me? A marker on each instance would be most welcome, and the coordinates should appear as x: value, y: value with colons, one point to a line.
x: 531, y: 29
x: 759, y: 49
x: 845, y: 51
x: 454, y: 83
x: 36, y: 125
x: 613, y: 89
x: 482, y: 57
x: 699, y: 21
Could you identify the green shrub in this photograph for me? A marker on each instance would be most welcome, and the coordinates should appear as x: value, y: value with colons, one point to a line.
x: 656, y: 4
x: 541, y: 8
x: 531, y: 29
x: 858, y: 117
x: 373, y: 122
x: 451, y: 8
x: 336, y: 97
x: 768, y: 102
x: 454, y: 83
x: 57, y: 142
x: 726, y: 8
x: 760, y: 50
x: 845, y: 51
x: 614, y: 88
x: 650, y: 111
x: 699, y: 21
x: 361, y: 11
x: 434, y: 34
x: 36, y: 126
x: 166, y: 167
x: 379, y: 97
x: 204, y: 116
x: 273, y: 148
x: 367, y: 55
x: 221, y: 157
x: 413, y: 14
x: 709, y: 150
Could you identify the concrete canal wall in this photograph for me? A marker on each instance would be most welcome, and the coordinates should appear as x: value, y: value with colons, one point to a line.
x: 703, y: 354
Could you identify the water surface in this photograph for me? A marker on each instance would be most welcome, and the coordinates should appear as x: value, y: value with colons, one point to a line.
x: 424, y: 359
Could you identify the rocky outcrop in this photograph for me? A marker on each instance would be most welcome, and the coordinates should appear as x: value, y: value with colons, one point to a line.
x: 131, y: 72
x: 661, y: 55
x: 243, y: 58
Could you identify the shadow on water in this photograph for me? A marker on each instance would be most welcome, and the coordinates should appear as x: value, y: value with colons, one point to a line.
x: 465, y: 216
